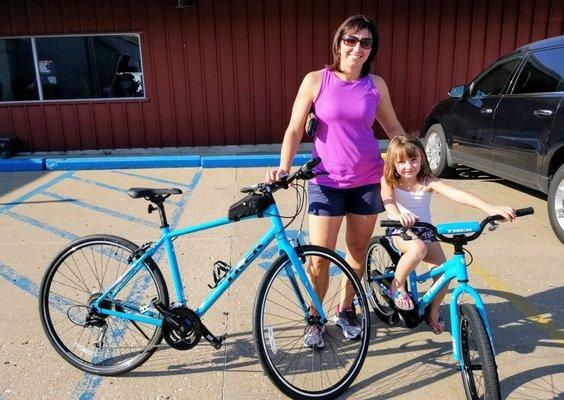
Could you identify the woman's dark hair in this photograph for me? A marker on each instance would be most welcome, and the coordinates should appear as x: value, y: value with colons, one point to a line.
x: 354, y: 24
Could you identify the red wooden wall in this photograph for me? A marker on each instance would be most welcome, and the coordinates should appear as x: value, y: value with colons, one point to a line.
x: 226, y: 72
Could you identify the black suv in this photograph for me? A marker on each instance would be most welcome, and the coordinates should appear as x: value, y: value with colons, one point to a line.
x: 509, y: 122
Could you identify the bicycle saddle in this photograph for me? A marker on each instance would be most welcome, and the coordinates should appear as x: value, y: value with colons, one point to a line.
x: 149, y: 193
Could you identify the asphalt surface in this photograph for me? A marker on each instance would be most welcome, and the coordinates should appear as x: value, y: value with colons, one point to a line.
x: 517, y: 269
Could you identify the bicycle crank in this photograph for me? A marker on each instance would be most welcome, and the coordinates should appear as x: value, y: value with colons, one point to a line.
x: 183, y: 329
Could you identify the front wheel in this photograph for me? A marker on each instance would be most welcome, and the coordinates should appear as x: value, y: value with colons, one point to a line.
x: 282, y: 317
x: 479, y: 374
x: 556, y: 203
x: 77, y: 277
x: 380, y: 259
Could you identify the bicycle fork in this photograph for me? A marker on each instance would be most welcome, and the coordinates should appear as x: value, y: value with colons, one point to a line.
x: 463, y: 287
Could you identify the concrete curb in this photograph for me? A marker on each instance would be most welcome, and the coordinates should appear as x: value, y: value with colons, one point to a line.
x: 257, y: 160
x: 22, y: 164
x: 113, y: 162
x: 153, y: 161
x: 233, y: 156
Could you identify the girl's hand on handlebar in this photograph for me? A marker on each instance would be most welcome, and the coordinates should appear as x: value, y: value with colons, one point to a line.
x: 407, y: 219
x: 275, y: 175
x: 506, y: 212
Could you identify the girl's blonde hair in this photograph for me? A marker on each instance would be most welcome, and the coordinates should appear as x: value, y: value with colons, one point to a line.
x: 401, y: 148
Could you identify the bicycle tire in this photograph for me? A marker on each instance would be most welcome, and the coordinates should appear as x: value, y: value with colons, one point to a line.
x: 268, y: 316
x: 81, y: 271
x: 475, y: 342
x: 379, y: 259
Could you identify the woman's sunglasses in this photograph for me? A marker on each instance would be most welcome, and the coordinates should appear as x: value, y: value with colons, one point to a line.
x: 351, y: 41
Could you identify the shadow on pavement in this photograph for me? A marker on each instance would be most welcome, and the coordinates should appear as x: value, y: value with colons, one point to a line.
x: 432, y: 360
x: 10, y: 181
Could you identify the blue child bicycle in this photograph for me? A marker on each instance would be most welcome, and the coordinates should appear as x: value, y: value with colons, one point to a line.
x: 470, y: 330
x: 105, y: 307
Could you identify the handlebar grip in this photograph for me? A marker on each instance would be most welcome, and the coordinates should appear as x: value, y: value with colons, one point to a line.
x: 310, y: 164
x: 388, y: 223
x: 525, y: 211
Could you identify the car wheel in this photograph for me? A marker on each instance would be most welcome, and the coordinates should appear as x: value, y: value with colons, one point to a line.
x: 436, y: 149
x: 556, y: 203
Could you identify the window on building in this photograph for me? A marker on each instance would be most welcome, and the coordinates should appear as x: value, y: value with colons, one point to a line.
x: 17, y: 72
x: 71, y: 67
x: 543, y: 73
x: 493, y: 81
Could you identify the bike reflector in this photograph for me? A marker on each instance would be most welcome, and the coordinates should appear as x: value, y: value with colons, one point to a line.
x: 454, y: 228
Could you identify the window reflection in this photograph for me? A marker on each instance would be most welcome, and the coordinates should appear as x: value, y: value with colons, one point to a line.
x: 17, y: 72
x: 71, y: 67
x: 542, y: 73
x: 90, y: 67
x: 494, y: 81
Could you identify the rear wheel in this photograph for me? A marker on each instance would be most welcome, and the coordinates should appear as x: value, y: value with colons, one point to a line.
x: 556, y: 203
x: 379, y: 260
x: 77, y: 277
x: 280, y: 318
x: 479, y: 374
x: 436, y: 148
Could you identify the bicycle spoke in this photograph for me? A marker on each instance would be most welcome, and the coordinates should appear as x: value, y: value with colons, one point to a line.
x: 310, y: 369
x: 76, y: 279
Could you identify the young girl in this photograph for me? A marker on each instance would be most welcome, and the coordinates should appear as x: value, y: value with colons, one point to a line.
x: 406, y: 191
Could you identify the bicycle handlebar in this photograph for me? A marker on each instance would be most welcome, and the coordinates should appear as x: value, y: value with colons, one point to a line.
x: 305, y: 172
x: 457, y: 229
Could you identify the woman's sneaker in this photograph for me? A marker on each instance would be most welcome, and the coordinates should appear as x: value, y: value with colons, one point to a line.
x: 313, y: 336
x: 348, y: 322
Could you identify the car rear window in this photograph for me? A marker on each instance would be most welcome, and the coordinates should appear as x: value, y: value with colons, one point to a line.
x: 543, y: 73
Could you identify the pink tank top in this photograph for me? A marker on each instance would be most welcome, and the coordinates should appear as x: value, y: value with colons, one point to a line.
x: 344, y: 138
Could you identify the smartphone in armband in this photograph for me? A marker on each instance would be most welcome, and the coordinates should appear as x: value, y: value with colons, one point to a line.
x: 311, y: 124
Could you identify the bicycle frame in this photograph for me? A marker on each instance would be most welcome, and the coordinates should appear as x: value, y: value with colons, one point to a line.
x: 453, y: 268
x: 277, y: 232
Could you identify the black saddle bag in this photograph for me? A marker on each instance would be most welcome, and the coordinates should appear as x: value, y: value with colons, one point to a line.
x: 252, y: 204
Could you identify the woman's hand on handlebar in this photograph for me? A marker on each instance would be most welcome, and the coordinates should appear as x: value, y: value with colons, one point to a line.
x: 506, y: 212
x: 275, y: 175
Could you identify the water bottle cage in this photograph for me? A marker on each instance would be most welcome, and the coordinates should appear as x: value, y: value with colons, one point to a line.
x: 220, y: 270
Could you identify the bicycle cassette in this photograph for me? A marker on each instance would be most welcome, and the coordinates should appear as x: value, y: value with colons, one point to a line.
x: 187, y: 334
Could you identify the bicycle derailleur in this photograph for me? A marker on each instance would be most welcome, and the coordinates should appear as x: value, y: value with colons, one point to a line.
x: 183, y: 329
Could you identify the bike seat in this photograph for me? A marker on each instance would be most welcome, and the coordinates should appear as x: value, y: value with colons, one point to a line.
x: 149, y: 193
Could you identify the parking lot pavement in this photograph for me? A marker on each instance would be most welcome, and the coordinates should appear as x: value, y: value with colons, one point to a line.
x: 517, y: 268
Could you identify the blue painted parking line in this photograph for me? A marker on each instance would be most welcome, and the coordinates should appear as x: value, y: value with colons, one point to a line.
x: 150, y: 178
x: 30, y: 287
x: 99, y: 184
x: 42, y: 225
x: 106, y: 186
x: 19, y: 280
x: 115, y: 214
x: 87, y: 387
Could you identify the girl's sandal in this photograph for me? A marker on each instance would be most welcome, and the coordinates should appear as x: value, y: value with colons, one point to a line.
x: 400, y: 299
x: 437, y: 327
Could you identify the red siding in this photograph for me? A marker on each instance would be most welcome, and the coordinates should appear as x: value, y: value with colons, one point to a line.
x: 226, y: 72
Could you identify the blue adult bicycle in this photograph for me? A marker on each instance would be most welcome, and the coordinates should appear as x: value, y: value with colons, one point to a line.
x: 470, y: 330
x: 105, y: 307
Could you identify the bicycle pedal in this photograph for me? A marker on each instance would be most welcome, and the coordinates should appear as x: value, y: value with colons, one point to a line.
x: 213, y: 340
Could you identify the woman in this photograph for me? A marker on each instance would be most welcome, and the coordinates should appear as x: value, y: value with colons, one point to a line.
x: 346, y: 99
